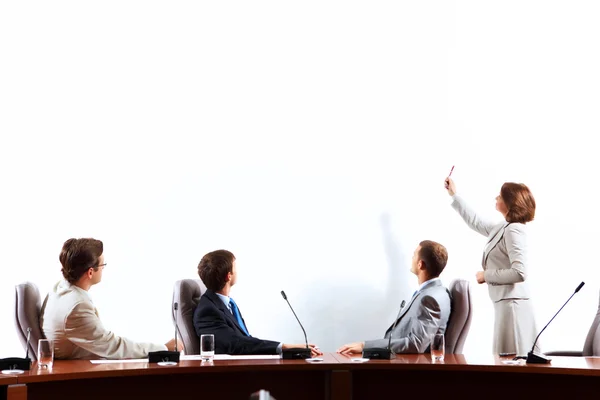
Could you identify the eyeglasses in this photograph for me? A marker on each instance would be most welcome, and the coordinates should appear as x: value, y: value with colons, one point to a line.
x: 98, y: 267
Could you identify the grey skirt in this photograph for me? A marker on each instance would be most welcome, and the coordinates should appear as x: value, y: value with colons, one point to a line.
x: 514, y: 327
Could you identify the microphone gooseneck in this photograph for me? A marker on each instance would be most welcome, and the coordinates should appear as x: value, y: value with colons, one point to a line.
x: 28, y: 340
x: 538, y: 336
x: 389, y: 346
x: 175, y: 308
x: 297, y: 319
x: 534, y: 358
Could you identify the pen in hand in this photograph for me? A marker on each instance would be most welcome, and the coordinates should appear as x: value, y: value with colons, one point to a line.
x: 447, y: 181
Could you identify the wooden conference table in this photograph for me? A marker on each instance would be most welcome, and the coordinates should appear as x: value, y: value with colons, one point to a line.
x: 336, y: 378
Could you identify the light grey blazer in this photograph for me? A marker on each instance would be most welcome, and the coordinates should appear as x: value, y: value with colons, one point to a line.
x: 425, y: 315
x: 505, y: 254
x: 71, y: 320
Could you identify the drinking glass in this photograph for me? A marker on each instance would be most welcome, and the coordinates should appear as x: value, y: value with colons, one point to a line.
x: 45, y: 353
x: 207, y: 347
x: 437, y: 347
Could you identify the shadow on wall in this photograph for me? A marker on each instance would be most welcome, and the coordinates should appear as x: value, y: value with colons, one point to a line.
x: 359, y: 311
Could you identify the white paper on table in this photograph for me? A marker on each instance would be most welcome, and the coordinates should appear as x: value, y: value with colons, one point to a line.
x: 137, y: 360
x: 218, y: 357
x: 224, y: 357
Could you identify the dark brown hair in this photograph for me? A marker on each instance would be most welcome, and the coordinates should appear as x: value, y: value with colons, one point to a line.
x: 434, y: 256
x: 214, y: 267
x: 78, y: 256
x: 519, y: 202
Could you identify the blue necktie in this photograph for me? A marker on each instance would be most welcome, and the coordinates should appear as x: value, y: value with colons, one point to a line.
x: 238, y: 317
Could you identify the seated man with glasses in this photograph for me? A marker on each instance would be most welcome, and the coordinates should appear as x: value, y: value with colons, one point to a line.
x: 69, y: 316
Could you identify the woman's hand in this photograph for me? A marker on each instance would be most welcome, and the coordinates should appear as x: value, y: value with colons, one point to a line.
x: 480, y: 277
x: 450, y: 186
x: 356, y: 347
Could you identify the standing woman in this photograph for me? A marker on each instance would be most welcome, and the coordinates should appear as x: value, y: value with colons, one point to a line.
x: 505, y: 264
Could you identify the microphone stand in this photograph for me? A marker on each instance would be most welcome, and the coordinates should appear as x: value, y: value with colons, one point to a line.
x: 17, y: 365
x: 377, y: 353
x: 167, y: 357
x: 295, y: 353
x: 536, y: 358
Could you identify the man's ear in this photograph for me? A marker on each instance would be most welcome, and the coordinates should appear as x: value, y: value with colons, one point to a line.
x: 229, y: 276
x: 90, y: 272
x: 421, y: 265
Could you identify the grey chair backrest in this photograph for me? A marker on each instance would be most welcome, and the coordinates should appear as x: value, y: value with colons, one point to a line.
x: 27, y: 315
x: 460, y: 316
x: 187, y: 293
x: 591, y: 347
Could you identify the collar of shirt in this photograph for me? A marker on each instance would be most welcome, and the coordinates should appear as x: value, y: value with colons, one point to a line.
x: 225, y: 300
x: 427, y: 283
x: 63, y: 287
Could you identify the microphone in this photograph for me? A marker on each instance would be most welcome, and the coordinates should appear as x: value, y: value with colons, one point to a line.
x: 389, y: 346
x: 27, y: 345
x: 296, y: 353
x: 532, y: 357
x: 175, y: 307
x: 166, y: 357
x: 17, y: 365
x: 378, y: 353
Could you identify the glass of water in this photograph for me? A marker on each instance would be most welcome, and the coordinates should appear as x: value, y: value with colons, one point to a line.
x: 45, y: 353
x: 207, y: 347
x: 438, y: 347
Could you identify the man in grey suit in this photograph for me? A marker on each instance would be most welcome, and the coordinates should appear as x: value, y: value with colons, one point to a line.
x: 426, y: 313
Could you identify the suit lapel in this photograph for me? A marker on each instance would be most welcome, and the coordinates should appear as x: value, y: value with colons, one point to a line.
x: 221, y: 306
x: 410, y: 303
x: 493, y: 242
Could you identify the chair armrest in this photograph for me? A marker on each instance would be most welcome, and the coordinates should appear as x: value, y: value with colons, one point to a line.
x: 565, y: 353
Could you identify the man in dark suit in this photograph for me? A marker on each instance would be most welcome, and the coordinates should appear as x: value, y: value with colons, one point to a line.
x: 219, y: 315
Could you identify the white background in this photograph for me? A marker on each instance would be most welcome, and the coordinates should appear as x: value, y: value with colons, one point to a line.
x: 311, y: 139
